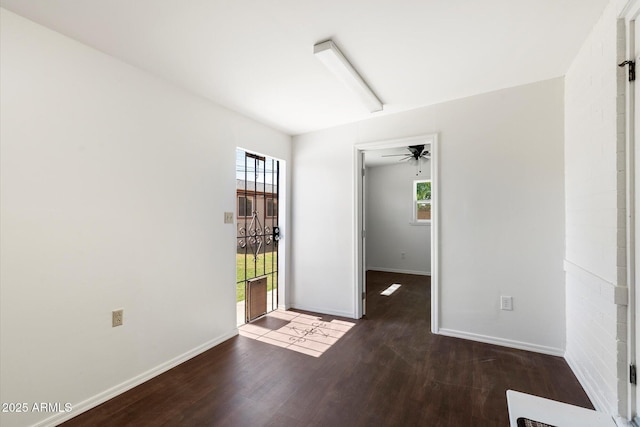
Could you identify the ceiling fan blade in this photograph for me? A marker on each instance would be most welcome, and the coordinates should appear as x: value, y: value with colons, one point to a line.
x: 392, y: 155
x: 406, y: 158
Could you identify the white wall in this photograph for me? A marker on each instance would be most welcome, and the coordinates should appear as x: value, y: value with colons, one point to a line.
x: 113, y: 188
x: 502, y: 213
x: 595, y: 216
x: 389, y: 216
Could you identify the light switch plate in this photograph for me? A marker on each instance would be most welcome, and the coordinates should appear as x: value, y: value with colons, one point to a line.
x: 228, y: 217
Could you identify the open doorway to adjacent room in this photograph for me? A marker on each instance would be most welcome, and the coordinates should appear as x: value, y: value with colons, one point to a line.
x: 396, y: 212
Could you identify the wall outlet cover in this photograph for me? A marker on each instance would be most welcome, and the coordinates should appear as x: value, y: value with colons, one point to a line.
x: 117, y: 318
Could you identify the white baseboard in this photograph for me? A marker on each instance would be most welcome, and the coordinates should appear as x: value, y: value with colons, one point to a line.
x: 321, y: 310
x: 92, y: 402
x: 399, y: 270
x: 553, y: 351
x: 596, y: 398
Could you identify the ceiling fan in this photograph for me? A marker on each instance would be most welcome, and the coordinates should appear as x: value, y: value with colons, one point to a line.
x: 416, y: 152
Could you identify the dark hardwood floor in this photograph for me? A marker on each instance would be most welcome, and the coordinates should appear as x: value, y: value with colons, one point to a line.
x: 388, y: 370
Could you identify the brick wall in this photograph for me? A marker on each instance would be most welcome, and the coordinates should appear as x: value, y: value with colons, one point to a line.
x: 595, y: 260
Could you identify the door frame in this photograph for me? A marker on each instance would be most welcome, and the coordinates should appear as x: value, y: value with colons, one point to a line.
x: 359, y: 220
x: 283, y: 223
x: 630, y: 13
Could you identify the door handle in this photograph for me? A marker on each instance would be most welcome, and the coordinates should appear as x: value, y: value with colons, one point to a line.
x: 276, y: 233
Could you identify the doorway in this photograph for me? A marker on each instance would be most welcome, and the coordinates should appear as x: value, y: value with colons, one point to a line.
x: 630, y: 14
x: 633, y: 152
x: 257, y: 235
x: 634, y: 155
x: 360, y: 237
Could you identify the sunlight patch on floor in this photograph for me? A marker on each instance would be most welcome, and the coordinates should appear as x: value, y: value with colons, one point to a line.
x: 391, y: 289
x: 304, y: 333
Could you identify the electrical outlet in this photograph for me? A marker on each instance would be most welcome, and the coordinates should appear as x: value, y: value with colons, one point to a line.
x: 228, y: 217
x: 506, y: 303
x: 117, y: 318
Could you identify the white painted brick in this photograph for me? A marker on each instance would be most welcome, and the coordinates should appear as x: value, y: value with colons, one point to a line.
x: 622, y: 370
x: 622, y: 257
x: 621, y: 332
x: 622, y: 276
x: 621, y: 216
x: 596, y: 210
x: 621, y: 159
x: 621, y: 104
x: 621, y: 404
x: 621, y: 295
x: 622, y: 351
x: 621, y: 124
x: 622, y: 141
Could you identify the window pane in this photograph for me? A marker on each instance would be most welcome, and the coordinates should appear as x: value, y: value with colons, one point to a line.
x: 245, y: 207
x: 423, y: 211
x: 423, y: 190
x: 241, y: 206
x: 271, y: 208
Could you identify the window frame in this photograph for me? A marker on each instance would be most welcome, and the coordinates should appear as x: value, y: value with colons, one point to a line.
x: 416, y: 202
x: 248, y: 203
x: 274, y: 207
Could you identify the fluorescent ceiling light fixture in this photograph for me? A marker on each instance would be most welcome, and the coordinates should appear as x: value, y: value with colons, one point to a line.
x: 391, y: 289
x: 329, y: 54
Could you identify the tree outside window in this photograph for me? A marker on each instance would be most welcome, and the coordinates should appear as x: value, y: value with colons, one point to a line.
x: 422, y: 200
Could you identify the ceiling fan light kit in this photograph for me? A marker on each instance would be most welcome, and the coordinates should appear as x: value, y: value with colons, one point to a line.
x: 332, y: 58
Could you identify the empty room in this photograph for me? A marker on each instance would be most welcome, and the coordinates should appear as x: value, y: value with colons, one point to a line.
x: 302, y: 213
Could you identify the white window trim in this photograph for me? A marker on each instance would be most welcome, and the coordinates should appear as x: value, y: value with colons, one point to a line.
x: 415, y: 201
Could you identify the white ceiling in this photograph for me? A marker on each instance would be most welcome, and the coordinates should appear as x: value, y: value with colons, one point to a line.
x: 256, y: 56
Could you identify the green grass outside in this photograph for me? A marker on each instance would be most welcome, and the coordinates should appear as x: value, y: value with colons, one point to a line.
x: 265, y: 264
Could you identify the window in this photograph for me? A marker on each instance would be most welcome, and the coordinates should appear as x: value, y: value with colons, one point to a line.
x: 422, y: 201
x: 272, y: 208
x: 245, y: 206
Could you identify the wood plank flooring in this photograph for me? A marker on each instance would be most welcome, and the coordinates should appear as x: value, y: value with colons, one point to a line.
x: 388, y: 370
